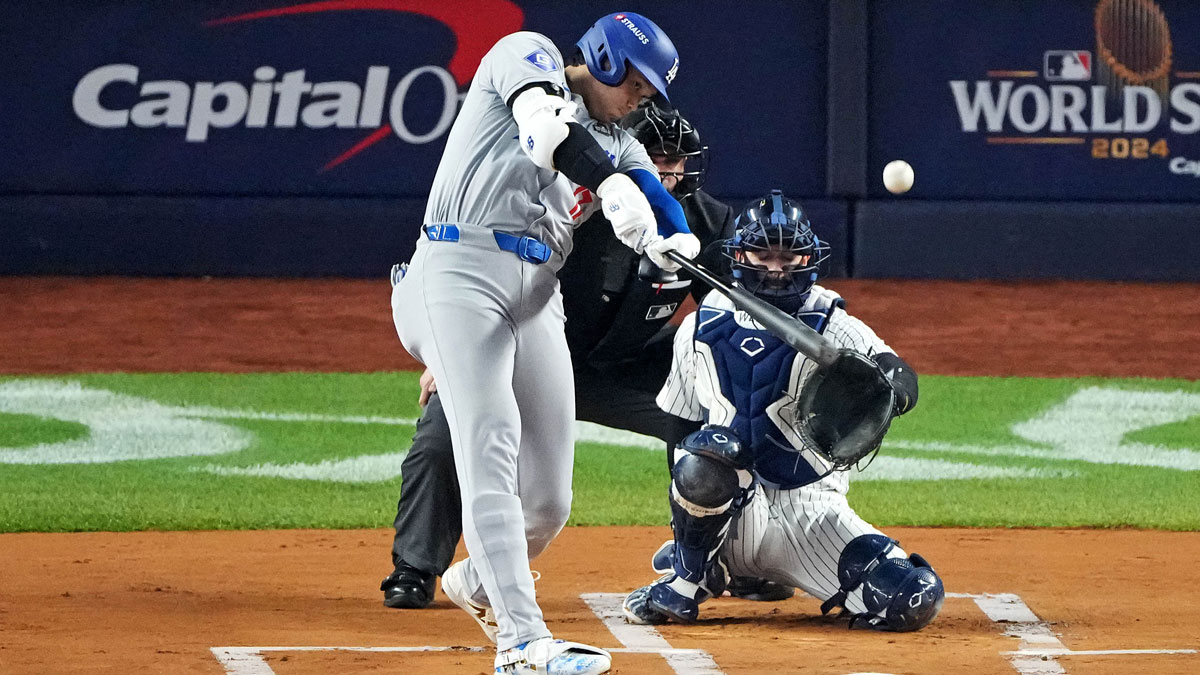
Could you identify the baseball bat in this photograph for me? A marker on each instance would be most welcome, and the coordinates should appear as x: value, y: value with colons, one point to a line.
x: 780, y: 324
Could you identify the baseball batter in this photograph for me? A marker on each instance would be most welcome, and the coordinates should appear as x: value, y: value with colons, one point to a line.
x: 747, y: 496
x: 479, y: 304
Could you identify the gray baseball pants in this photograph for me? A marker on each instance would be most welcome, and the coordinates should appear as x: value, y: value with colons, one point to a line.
x: 490, y: 328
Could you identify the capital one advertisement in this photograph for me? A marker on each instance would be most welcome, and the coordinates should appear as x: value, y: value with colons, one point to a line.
x: 1042, y: 100
x: 355, y: 97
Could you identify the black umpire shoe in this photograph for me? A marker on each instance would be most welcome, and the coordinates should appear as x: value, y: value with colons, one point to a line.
x: 761, y: 590
x: 407, y: 588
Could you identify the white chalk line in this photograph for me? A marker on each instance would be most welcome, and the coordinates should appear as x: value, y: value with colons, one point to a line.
x: 250, y: 661
x: 1097, y: 652
x: 607, y: 606
x: 645, y: 639
x: 1040, y: 647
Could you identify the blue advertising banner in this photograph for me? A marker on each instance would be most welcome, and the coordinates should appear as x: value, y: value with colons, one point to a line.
x: 354, y: 97
x: 1064, y: 100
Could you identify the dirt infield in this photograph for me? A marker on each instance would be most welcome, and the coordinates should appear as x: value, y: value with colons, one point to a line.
x: 59, y: 325
x: 1025, y: 601
x: 159, y: 602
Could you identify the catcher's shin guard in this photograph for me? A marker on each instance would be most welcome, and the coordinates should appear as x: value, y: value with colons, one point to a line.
x: 709, y: 485
x: 699, y: 533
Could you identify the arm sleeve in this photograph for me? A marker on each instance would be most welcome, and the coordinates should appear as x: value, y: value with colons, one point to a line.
x: 678, y: 394
x: 518, y: 60
x: 581, y: 159
x: 667, y: 210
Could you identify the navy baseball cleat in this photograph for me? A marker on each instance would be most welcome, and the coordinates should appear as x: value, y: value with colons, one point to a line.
x: 658, y: 603
x: 667, y: 600
x: 637, y: 608
x: 407, y: 588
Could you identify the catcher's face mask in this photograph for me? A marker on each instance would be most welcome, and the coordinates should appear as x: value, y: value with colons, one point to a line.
x: 776, y: 267
x: 774, y: 253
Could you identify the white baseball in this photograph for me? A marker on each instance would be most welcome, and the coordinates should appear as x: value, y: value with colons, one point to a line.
x: 898, y: 176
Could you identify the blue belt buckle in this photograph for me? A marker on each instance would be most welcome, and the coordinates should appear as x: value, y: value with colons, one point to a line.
x: 533, y: 251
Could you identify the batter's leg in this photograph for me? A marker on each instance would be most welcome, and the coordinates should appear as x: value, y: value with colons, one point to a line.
x: 545, y: 390
x: 454, y: 312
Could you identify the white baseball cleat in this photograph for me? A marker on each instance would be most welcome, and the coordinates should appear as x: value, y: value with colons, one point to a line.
x: 455, y: 588
x: 547, y: 656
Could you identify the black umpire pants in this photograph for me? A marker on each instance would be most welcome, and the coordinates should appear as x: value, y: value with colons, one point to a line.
x: 429, y: 514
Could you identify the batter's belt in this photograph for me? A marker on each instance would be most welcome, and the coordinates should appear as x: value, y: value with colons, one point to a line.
x: 526, y: 248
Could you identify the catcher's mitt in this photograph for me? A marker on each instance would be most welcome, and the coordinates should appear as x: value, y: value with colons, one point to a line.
x: 845, y: 409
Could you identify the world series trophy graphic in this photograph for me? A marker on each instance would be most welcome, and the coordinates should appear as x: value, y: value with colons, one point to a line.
x: 1133, y: 46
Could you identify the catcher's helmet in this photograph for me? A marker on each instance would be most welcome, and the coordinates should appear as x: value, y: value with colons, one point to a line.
x: 666, y: 133
x: 626, y: 39
x: 775, y: 224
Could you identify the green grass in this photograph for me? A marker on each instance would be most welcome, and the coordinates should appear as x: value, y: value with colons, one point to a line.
x: 956, y: 446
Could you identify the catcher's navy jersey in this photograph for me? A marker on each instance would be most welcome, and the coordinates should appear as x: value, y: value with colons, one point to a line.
x: 728, y: 370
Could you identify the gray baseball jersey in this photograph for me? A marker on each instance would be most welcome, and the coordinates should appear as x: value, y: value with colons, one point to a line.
x: 791, y: 536
x: 485, y: 178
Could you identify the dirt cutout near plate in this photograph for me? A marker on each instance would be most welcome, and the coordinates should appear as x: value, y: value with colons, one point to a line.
x: 159, y: 602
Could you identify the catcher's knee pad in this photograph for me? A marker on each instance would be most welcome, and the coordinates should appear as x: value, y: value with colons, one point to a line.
x: 702, y: 485
x: 903, y: 595
x: 900, y: 594
x: 710, y: 471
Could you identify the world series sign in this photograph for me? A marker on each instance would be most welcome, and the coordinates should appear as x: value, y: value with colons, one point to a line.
x: 1045, y: 100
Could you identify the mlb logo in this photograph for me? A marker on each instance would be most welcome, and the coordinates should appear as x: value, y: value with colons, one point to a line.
x: 661, y: 311
x: 542, y: 60
x: 1062, y: 65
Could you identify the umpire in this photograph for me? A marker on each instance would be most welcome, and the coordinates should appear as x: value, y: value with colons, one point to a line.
x: 620, y: 341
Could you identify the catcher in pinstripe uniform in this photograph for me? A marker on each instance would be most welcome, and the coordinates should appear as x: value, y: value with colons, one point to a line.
x: 748, y: 495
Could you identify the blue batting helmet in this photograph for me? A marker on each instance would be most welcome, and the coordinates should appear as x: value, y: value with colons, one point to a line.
x: 626, y: 39
x: 775, y: 225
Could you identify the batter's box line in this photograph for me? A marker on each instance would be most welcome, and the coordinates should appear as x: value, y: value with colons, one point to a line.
x: 1040, y: 647
x: 1037, y: 655
x: 252, y: 661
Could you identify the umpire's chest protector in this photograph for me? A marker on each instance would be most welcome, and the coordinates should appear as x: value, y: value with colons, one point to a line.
x: 754, y: 371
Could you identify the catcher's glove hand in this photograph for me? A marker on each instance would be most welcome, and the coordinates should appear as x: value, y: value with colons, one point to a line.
x: 845, y: 409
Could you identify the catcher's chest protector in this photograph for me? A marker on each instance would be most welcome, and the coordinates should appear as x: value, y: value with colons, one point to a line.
x: 753, y: 371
